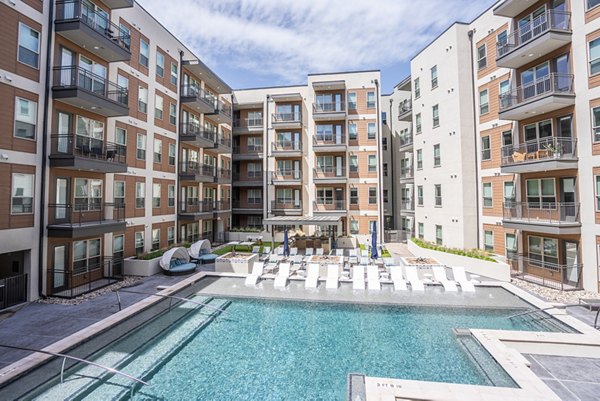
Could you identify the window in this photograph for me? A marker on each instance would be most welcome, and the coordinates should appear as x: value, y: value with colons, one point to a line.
x: 417, y: 88
x: 419, y: 195
x: 144, y: 52
x: 160, y: 64
x: 594, y: 55
x: 385, y: 169
x: 155, y: 195
x: 434, y: 77
x: 372, y: 195
x: 507, y: 138
x: 354, y: 227
x: 437, y: 156
x: 88, y: 194
x: 418, y: 123
x: 126, y: 35
x: 354, y: 196
x: 385, y: 196
x: 482, y: 57
x: 421, y: 230
x: 486, y: 152
x: 384, y: 118
x: 140, y: 195
x: 372, y: 163
x: 543, y: 251
x: 484, y: 102
x: 119, y: 194
x: 502, y: 38
x: 155, y: 239
x: 22, y: 193
x: 509, y: 193
x: 29, y: 46
x: 174, y: 74
x: 511, y: 246
x: 435, y: 111
x: 504, y: 94
x: 352, y: 131
x: 255, y: 221
x: 170, y: 235
x: 254, y: 196
x: 158, y: 107
x: 172, y: 113
x: 157, y: 151
x: 139, y: 242
x: 325, y: 196
x: 488, y: 241
x: 370, y: 100
x: 487, y: 195
x: 353, y: 163
x: 25, y: 118
x: 371, y: 132
x: 438, y: 195
x: 122, y: 82
x: 172, y: 153
x: 540, y: 193
x: 596, y: 123
x: 419, y: 159
x: 384, y: 143
x: 255, y: 144
x: 140, y: 153
x: 254, y: 170
x: 143, y: 99
x: 351, y: 100
x: 598, y: 193
x: 438, y: 235
x: 86, y: 255
x: 120, y: 136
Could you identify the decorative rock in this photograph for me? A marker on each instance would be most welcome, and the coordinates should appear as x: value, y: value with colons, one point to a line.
x: 127, y: 281
x: 552, y: 295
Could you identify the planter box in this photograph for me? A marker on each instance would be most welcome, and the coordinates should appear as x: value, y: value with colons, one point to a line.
x: 240, y: 264
x: 143, y: 268
x: 498, y: 271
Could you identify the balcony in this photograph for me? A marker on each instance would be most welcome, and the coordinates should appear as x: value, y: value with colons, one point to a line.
x: 286, y: 208
x: 78, y: 152
x: 547, y: 218
x: 223, y: 143
x: 405, y: 110
x: 286, y: 148
x: 512, y: 8
x: 329, y: 206
x: 199, y: 136
x: 194, y: 171
x: 249, y: 205
x: 547, y: 94
x: 82, y: 89
x: 78, y: 281
x: 546, y: 154
x: 81, y: 220
x: 221, y: 113
x: 287, y: 121
x: 254, y: 152
x: 79, y: 23
x: 329, y: 143
x: 197, y: 99
x: 248, y: 125
x: 407, y: 205
x: 406, y: 174
x: 329, y: 111
x: 287, y: 177
x: 406, y: 141
x: 552, y: 275
x: 194, y: 209
x: 547, y: 33
x: 223, y: 176
x: 250, y: 179
x: 330, y: 175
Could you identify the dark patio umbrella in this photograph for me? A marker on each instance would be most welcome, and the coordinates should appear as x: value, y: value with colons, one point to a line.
x: 286, y: 244
x: 374, y: 254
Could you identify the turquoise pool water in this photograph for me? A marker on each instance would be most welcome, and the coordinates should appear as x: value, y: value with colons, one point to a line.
x: 284, y: 350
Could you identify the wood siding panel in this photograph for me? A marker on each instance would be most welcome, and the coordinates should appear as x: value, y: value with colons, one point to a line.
x: 495, y: 135
x: 490, y: 45
x: 7, y: 219
x: 9, y: 32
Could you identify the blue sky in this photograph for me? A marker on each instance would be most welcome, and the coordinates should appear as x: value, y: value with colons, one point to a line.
x: 254, y: 43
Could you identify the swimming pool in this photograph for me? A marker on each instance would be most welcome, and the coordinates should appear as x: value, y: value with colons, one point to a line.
x: 260, y: 349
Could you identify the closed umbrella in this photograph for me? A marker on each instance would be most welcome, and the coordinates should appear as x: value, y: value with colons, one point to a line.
x: 374, y: 254
x: 286, y: 244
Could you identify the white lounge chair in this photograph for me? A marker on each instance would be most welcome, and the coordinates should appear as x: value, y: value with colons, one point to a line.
x: 256, y: 249
x: 309, y: 251
x: 339, y: 252
x: 312, y: 276
x: 319, y: 252
x: 279, y: 251
x: 397, y: 278
x: 373, y: 278
x: 358, y: 277
x: 416, y: 284
x: 353, y: 256
x: 266, y: 253
x: 298, y: 260
x: 389, y: 261
x: 364, y: 260
x: 461, y: 278
x: 439, y: 275
x: 364, y: 253
x: 282, y: 276
x: 257, y: 271
x: 293, y: 251
x: 333, y: 277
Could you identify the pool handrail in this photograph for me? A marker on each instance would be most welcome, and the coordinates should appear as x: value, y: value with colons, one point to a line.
x: 171, y: 297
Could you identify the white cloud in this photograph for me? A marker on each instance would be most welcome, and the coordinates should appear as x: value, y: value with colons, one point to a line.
x: 287, y: 39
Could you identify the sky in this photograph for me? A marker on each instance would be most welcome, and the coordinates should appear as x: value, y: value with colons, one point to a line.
x: 257, y: 43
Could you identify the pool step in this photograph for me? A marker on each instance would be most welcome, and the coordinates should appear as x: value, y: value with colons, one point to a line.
x: 541, y: 321
x: 82, y: 376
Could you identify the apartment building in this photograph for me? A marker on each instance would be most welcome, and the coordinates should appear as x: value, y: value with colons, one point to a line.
x: 310, y: 150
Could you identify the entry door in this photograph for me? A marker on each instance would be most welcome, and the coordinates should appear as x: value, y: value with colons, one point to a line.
x: 62, y: 199
x: 571, y: 250
x: 183, y: 200
x: 563, y: 70
x: 60, y: 267
x: 339, y: 166
x: 338, y: 134
x: 565, y: 135
x: 296, y: 198
x: 296, y: 169
x: 64, y: 128
x: 338, y: 102
x: 67, y: 75
x: 559, y: 18
x: 339, y: 199
x: 568, y: 199
x: 118, y: 253
x: 296, y: 112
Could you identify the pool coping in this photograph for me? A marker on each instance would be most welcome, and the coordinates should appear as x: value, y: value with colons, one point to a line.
x: 505, y: 346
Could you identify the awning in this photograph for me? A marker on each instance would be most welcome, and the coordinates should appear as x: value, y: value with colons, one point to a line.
x: 303, y: 221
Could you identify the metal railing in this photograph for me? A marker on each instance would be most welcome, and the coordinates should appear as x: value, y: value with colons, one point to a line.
x: 555, y: 213
x: 543, y: 149
x: 192, y: 206
x: 407, y: 204
x: 252, y: 203
x: 250, y: 176
x: 285, y: 205
x: 405, y: 140
x: 404, y: 107
x: 286, y: 146
x: 248, y: 123
x: 85, y: 213
x: 223, y: 206
x: 252, y: 150
x: 552, y: 84
x: 224, y: 140
x: 192, y: 129
x: 204, y: 170
x: 329, y: 205
x: 222, y: 107
x: 170, y: 297
x: 330, y: 107
x: 13, y: 290
x: 188, y: 90
x: 75, y: 77
x: 79, y: 281
x: 330, y: 172
x: 69, y: 10
x: 329, y: 140
x: 287, y: 175
x: 551, y: 20
x: 89, y: 148
x: 558, y: 276
x: 223, y: 174
x: 287, y: 117
x: 406, y: 173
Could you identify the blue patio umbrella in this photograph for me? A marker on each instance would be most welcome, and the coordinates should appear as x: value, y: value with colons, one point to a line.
x: 286, y: 243
x: 374, y: 254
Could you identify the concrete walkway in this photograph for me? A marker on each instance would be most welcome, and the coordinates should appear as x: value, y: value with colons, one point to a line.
x: 398, y: 250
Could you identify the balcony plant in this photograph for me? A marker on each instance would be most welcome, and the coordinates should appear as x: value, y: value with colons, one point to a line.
x: 554, y: 150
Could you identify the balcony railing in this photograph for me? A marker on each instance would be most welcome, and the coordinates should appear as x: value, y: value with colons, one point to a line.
x: 544, y: 149
x: 224, y: 140
x: 193, y: 206
x: 329, y: 205
x: 256, y: 176
x: 406, y: 173
x: 199, y: 93
x: 89, y: 148
x: 552, y: 213
x: 223, y: 174
x: 287, y: 118
x: 406, y: 140
x: 286, y: 146
x: 223, y: 205
x: 404, y: 108
x: 252, y: 149
x: 192, y: 129
x: 13, y: 290
x: 552, y: 275
x: 329, y: 140
x: 223, y: 108
x: 85, y: 213
x: 407, y: 204
x: 204, y: 170
x: 287, y: 175
x: 75, y: 77
x: 552, y: 84
x: 251, y: 203
x: 548, y: 21
x: 330, y: 172
x: 72, y: 10
x: 76, y: 282
x: 248, y: 123
x: 286, y: 205
x: 333, y: 107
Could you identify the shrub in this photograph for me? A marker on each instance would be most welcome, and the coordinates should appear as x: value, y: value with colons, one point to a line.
x: 470, y: 253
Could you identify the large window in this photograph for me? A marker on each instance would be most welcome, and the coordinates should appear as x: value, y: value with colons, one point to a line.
x: 140, y: 195
x: 155, y: 239
x: 352, y: 131
x: 255, y: 144
x: 143, y: 99
x: 325, y: 196
x: 372, y: 163
x: 417, y: 88
x: 511, y: 246
x: 418, y: 123
x: 421, y: 230
x: 437, y: 156
x: 140, y: 152
x: 596, y: 123
x: 22, y: 193
x: 537, y: 131
x: 25, y: 118
x: 484, y: 102
x: 156, y: 195
x: 284, y: 196
x: 121, y: 136
x: 174, y: 74
x: 139, y: 242
x: 482, y: 57
x: 419, y: 195
x: 487, y: 195
x: 419, y: 159
x: 371, y: 131
x: 372, y: 195
x: 353, y: 163
x: 435, y: 111
x: 88, y: 194
x: 543, y: 252
x: 119, y: 194
x: 434, y: 77
x: 594, y: 55
x: 541, y: 193
x: 160, y: 64
x: 86, y: 255
x: 354, y: 196
x: 509, y: 193
x: 158, y: 107
x: 29, y: 46
x: 438, y: 195
x: 157, y: 151
x: 144, y: 52
x: 370, y: 100
x: 170, y: 235
x: 439, y: 239
x: 486, y: 152
x: 172, y: 154
x: 254, y: 196
x: 254, y: 170
x: 351, y: 100
x: 354, y: 227
x: 172, y: 113
x: 507, y: 139
x: 488, y: 241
